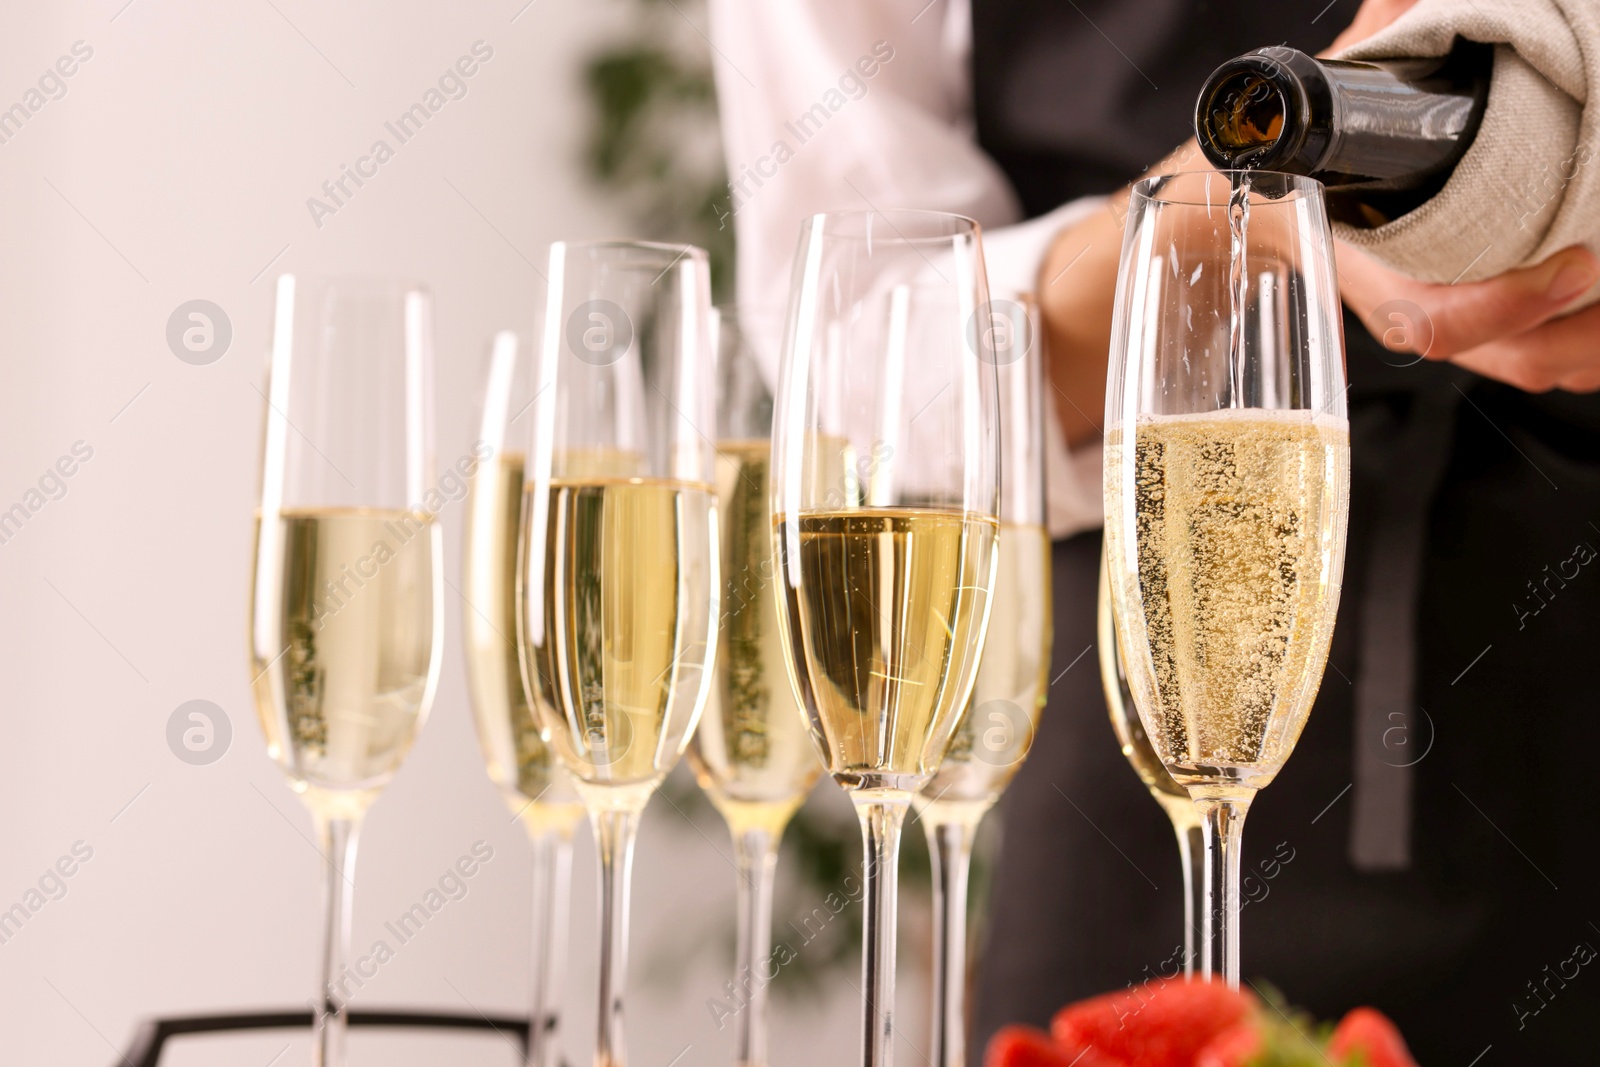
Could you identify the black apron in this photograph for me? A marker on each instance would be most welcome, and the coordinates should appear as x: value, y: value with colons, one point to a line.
x: 1465, y: 624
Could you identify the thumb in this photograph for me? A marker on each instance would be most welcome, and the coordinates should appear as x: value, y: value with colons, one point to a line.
x: 1469, y: 315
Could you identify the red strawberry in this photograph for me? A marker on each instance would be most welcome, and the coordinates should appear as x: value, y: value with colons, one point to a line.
x: 1369, y: 1032
x: 1164, y: 1023
x: 1023, y: 1046
x: 1232, y: 1048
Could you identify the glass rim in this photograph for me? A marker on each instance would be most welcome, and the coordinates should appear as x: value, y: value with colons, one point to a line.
x: 745, y: 319
x: 622, y: 244
x: 755, y: 311
x: 1299, y: 187
x: 954, y: 225
x: 357, y: 282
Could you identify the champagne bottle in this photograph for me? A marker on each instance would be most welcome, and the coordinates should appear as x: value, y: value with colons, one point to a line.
x: 1383, y: 136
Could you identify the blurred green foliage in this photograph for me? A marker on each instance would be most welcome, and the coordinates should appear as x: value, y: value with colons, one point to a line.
x: 654, y: 140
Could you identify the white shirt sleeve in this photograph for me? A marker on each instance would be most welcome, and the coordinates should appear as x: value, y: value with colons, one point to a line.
x: 1074, y: 499
x: 839, y: 104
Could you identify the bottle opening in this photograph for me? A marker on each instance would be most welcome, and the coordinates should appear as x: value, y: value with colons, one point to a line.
x: 1245, y: 115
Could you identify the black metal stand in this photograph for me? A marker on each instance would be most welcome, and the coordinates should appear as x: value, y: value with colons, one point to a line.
x: 153, y: 1034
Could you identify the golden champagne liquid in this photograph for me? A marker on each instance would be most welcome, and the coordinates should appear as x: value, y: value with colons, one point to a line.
x: 751, y: 753
x: 1224, y: 540
x: 530, y: 778
x: 619, y: 651
x: 997, y: 728
x: 344, y: 645
x: 1131, y: 736
x: 886, y: 609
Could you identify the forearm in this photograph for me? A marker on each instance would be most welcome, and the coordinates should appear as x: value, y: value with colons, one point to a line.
x: 1076, y: 290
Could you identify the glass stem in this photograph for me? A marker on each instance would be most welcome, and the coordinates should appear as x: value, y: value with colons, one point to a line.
x: 756, y: 853
x: 881, y: 823
x: 1191, y: 835
x: 614, y: 833
x: 330, y: 1012
x: 1223, y: 828
x: 552, y: 883
x: 950, y: 851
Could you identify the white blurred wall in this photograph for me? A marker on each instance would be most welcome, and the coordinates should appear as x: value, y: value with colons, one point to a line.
x: 177, y: 166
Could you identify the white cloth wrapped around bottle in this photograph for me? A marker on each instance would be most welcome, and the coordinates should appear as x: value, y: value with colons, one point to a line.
x: 1529, y: 185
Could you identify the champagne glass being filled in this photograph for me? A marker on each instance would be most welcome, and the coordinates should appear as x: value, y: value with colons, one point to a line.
x: 750, y: 753
x: 1137, y: 750
x: 619, y: 566
x: 1227, y: 463
x: 531, y: 780
x: 345, y: 617
x: 997, y: 727
x: 885, y: 494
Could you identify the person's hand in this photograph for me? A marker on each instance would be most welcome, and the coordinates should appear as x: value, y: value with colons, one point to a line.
x: 1371, y: 17
x: 1506, y: 327
x: 1076, y: 289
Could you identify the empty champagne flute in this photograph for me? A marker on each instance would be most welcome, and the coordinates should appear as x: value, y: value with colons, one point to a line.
x: 1137, y: 750
x: 346, y: 620
x: 750, y: 753
x: 997, y: 727
x: 885, y: 498
x: 1226, y: 489
x: 534, y: 785
x: 619, y: 567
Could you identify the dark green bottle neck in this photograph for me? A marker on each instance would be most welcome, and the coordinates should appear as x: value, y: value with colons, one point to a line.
x: 1384, y: 137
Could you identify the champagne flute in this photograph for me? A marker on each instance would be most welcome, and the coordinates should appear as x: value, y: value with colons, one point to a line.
x: 885, y: 501
x: 997, y: 727
x: 750, y: 753
x: 533, y: 783
x: 1137, y: 750
x: 1227, y: 470
x: 346, y: 620
x: 619, y: 566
